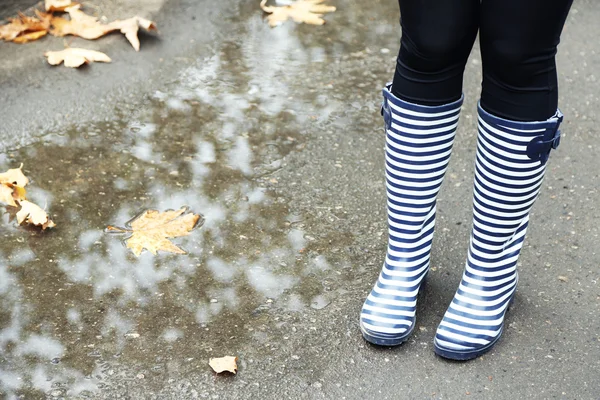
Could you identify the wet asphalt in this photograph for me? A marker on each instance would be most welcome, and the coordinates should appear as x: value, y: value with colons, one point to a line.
x: 274, y: 136
x: 9, y: 8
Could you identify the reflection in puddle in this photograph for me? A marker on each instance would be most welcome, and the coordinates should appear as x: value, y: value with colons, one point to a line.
x: 268, y: 283
x: 172, y: 334
x: 75, y: 303
x: 74, y: 296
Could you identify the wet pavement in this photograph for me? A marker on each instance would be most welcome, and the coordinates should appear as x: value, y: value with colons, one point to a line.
x: 10, y: 8
x: 274, y: 136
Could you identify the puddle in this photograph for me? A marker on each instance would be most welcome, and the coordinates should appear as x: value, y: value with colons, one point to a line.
x: 77, y: 295
x: 74, y: 302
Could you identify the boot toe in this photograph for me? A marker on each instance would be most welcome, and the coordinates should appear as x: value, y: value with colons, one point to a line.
x: 385, y: 334
x: 453, y: 349
x: 384, y: 325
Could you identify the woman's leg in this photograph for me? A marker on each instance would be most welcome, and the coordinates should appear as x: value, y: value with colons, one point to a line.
x: 437, y: 38
x: 518, y: 48
x: 518, y: 126
x: 421, y: 114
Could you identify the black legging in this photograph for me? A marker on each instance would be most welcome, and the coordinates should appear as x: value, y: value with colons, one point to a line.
x: 518, y: 40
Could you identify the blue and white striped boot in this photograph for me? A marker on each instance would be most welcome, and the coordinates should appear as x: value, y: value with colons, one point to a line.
x: 509, y: 169
x: 418, y: 145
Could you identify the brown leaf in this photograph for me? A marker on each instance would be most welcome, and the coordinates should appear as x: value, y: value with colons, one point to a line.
x: 11, y: 30
x: 222, y: 364
x: 74, y: 57
x: 33, y: 215
x: 6, y: 195
x: 9, y: 193
x: 129, y: 27
x: 12, y: 184
x: 307, y: 11
x: 24, y: 25
x: 19, y: 193
x: 152, y: 229
x: 58, y: 5
x: 12, y: 192
x: 14, y: 176
x: 30, y: 37
x: 88, y: 27
x: 80, y: 24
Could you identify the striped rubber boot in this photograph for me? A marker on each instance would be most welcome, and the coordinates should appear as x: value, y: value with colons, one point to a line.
x: 509, y: 169
x: 418, y: 144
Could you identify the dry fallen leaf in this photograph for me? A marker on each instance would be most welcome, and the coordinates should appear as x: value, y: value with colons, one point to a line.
x: 12, y: 193
x: 75, y: 57
x: 6, y: 195
x: 26, y: 29
x: 24, y: 25
x: 223, y: 364
x: 19, y: 193
x: 307, y: 11
x: 563, y: 279
x: 88, y: 27
x: 34, y: 215
x: 129, y: 27
x: 12, y: 186
x: 14, y: 176
x: 29, y: 37
x: 152, y: 229
x: 80, y: 24
x: 58, y: 5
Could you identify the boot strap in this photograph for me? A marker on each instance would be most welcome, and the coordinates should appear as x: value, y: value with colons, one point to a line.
x: 540, y: 146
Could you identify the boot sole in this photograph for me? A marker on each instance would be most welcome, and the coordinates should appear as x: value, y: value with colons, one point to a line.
x: 385, y: 340
x: 461, y: 355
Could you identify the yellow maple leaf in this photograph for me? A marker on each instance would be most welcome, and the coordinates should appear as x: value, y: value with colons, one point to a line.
x: 14, y: 176
x: 6, y: 195
x: 12, y: 183
x: 24, y: 25
x: 75, y: 57
x: 152, y: 229
x: 10, y: 193
x: 19, y: 193
x: 33, y: 215
x: 222, y: 364
x: 307, y: 11
x: 88, y: 27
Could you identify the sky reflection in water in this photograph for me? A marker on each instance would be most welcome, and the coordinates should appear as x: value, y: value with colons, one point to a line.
x: 73, y: 297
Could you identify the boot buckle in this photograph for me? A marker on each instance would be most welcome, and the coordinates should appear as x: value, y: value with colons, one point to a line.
x: 539, y: 149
